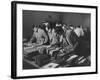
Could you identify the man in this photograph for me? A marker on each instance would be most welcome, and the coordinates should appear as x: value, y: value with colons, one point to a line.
x: 55, y: 40
x: 57, y: 36
x: 39, y: 36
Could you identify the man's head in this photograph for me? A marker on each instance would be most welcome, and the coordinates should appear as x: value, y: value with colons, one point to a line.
x: 46, y: 23
x: 35, y: 28
x: 71, y: 27
x: 79, y: 31
x: 59, y: 30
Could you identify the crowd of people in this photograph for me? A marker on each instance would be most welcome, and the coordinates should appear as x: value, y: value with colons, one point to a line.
x: 69, y: 42
x: 49, y: 34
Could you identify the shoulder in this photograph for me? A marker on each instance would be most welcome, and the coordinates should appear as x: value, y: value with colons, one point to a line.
x: 40, y: 30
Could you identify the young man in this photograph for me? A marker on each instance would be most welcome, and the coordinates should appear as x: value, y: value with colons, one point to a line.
x: 39, y: 36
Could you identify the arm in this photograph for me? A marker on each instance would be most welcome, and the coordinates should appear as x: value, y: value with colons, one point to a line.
x: 61, y: 38
x: 46, y: 38
x: 32, y: 38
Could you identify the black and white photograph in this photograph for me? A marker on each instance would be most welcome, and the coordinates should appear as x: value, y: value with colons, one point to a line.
x: 53, y: 39
x: 56, y: 39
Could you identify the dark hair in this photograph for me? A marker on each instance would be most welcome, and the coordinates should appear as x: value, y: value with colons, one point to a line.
x: 59, y: 30
x: 42, y: 27
x: 71, y: 25
x: 78, y: 26
x: 33, y: 25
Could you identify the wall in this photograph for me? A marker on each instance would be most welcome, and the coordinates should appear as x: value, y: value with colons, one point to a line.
x: 77, y: 19
x: 36, y: 17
